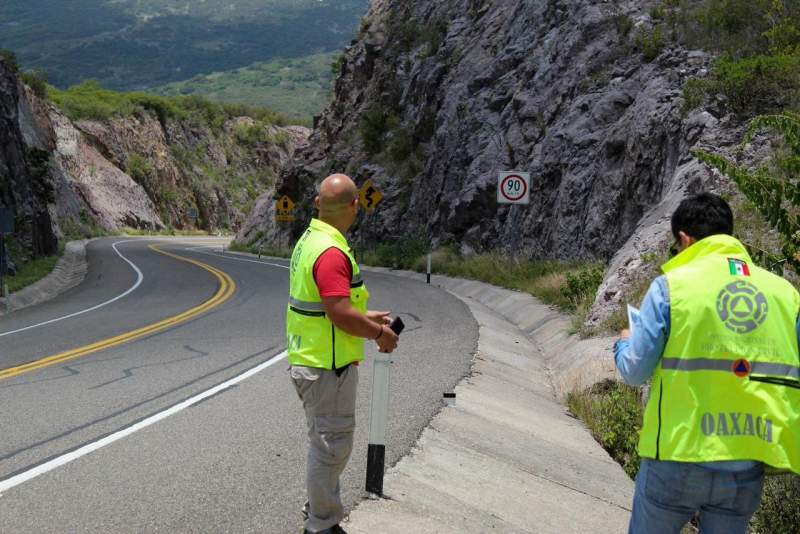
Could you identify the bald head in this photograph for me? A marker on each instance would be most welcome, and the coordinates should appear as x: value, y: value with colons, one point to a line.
x: 336, y: 200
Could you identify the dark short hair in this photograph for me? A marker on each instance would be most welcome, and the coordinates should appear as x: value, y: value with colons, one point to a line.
x: 703, y: 215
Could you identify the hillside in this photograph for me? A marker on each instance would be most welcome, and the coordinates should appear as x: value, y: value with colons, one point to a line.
x: 136, y: 44
x: 300, y: 87
x: 89, y: 161
x: 604, y: 103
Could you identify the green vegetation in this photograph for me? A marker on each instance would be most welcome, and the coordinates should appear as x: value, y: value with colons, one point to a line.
x: 31, y: 270
x: 570, y: 286
x: 774, y: 188
x: 779, y: 512
x: 299, y: 87
x: 613, y: 413
x: 37, y: 81
x: 90, y: 100
x: 758, y: 42
x: 651, y: 42
x: 135, y: 45
x: 10, y: 58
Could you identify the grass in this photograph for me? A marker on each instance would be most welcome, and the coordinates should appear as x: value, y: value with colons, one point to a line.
x: 299, y: 87
x: 32, y: 271
x: 613, y: 412
x: 89, y: 100
x: 569, y: 286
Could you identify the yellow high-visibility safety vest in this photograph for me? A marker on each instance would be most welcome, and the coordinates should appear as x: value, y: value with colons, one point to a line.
x: 312, y: 340
x: 722, y: 390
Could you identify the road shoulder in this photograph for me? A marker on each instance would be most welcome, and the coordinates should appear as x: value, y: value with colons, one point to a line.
x: 507, y: 457
x: 69, y: 271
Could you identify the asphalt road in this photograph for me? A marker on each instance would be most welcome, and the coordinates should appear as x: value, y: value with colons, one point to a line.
x: 99, y: 441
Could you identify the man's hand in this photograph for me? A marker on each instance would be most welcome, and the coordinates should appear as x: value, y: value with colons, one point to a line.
x: 387, y: 341
x: 379, y: 317
x: 625, y: 334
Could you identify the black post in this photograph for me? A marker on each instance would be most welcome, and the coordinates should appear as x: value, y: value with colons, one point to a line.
x: 376, y: 457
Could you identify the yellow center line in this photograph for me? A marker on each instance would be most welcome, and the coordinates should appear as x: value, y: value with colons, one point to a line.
x: 226, y: 290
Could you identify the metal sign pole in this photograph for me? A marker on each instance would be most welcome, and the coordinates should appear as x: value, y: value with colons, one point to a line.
x: 376, y: 451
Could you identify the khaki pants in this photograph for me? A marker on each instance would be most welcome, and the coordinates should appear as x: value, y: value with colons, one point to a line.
x: 330, y: 405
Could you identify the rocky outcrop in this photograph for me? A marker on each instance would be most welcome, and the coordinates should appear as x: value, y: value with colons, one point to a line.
x: 434, y: 98
x: 146, y: 171
x: 24, y: 188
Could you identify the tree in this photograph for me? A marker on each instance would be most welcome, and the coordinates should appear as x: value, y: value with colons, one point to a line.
x: 774, y: 188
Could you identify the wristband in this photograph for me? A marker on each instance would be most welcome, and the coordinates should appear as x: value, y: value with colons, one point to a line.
x: 379, y: 335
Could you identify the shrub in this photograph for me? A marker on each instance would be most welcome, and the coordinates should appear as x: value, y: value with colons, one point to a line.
x: 651, y: 42
x: 10, y: 58
x: 250, y: 134
x: 37, y: 81
x: 373, y: 127
x: 582, y: 285
x: 775, y: 189
x: 762, y: 82
x: 623, y: 23
x: 338, y: 63
x: 613, y: 412
x: 694, y: 94
x: 779, y: 511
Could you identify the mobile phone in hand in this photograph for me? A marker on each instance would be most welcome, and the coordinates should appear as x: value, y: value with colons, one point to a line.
x: 397, y: 325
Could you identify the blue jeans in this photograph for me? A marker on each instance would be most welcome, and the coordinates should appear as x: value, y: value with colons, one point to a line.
x: 668, y: 494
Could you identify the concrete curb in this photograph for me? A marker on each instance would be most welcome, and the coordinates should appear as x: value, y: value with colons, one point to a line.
x: 507, y: 457
x: 69, y: 271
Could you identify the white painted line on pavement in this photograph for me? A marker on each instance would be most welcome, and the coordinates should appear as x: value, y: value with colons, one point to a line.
x: 197, y: 249
x: 41, y: 469
x: 139, y: 279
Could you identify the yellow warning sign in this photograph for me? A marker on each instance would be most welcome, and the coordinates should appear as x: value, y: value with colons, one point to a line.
x: 284, y: 210
x: 370, y: 196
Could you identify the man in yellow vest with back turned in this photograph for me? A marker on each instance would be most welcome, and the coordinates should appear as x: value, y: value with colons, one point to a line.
x: 718, y: 336
x: 327, y: 322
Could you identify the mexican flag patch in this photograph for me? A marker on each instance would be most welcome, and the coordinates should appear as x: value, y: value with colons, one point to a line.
x: 738, y: 267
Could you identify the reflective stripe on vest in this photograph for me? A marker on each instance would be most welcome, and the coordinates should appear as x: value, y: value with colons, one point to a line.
x: 727, y: 385
x: 713, y: 364
x: 312, y: 340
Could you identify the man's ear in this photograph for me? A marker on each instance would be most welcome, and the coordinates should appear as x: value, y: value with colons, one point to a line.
x: 316, y: 202
x: 686, y: 240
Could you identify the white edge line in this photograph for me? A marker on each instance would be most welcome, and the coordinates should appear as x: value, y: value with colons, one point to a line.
x: 139, y: 279
x: 23, y: 477
x: 196, y: 249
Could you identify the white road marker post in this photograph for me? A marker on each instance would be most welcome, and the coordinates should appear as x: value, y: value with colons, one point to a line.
x: 429, y: 268
x: 376, y: 451
x: 3, y: 284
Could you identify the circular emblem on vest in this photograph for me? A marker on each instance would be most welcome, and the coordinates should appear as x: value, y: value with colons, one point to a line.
x: 742, y: 307
x: 741, y: 368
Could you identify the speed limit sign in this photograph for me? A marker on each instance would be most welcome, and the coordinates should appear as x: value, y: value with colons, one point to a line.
x: 514, y: 187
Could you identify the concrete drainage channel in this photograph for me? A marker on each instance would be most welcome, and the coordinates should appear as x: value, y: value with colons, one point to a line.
x: 69, y: 271
x: 506, y: 457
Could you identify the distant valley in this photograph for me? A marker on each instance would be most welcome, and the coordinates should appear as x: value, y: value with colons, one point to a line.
x: 145, y: 44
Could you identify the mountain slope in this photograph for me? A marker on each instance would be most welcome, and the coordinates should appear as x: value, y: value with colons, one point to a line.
x: 436, y: 98
x: 105, y: 161
x: 134, y: 44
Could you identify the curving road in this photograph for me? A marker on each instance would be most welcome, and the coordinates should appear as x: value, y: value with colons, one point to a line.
x: 153, y: 397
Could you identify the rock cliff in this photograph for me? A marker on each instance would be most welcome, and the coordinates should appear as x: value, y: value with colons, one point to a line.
x: 434, y: 98
x: 23, y: 190
x: 144, y: 171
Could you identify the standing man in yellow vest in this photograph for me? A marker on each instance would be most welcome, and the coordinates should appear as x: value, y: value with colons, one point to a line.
x: 327, y: 322
x: 718, y: 336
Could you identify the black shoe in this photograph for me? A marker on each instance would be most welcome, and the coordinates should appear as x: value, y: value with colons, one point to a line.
x: 335, y: 529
